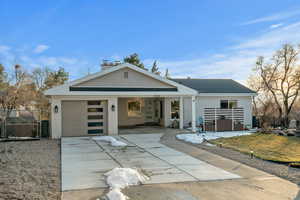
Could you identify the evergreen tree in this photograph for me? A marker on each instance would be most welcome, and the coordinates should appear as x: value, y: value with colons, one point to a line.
x: 154, y: 68
x: 55, y: 78
x: 167, y: 75
x: 135, y: 60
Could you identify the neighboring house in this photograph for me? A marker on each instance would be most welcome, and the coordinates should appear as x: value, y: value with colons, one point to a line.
x: 126, y: 96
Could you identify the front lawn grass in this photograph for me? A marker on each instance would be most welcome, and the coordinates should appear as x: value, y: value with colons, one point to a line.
x: 265, y: 146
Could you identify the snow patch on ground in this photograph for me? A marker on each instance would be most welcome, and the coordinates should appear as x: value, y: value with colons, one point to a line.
x: 116, y: 194
x: 113, y: 141
x: 198, y: 138
x: 191, y: 138
x: 209, y: 144
x: 120, y: 178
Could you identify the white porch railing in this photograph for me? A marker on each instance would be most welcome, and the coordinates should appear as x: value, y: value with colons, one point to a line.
x: 218, y: 119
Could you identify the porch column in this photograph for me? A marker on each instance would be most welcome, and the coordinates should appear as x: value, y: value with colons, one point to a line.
x: 167, y: 112
x: 181, y: 113
x: 56, y: 119
x: 193, y: 114
x: 112, y: 108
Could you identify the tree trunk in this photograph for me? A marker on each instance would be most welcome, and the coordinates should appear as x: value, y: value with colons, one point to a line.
x: 286, y: 122
x: 3, y: 131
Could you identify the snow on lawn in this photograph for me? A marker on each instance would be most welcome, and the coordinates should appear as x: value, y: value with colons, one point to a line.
x: 190, y: 137
x: 113, y: 141
x: 197, y: 138
x: 120, y: 178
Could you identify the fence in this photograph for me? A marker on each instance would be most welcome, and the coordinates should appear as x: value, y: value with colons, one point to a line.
x: 24, y: 123
x: 219, y: 119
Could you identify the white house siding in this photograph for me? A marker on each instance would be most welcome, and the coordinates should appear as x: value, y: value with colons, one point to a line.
x: 214, y: 102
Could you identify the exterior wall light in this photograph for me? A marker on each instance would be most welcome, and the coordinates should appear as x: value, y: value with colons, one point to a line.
x: 55, y: 109
x: 113, y: 107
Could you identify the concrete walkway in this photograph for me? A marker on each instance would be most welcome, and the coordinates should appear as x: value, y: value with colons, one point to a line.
x: 84, y: 161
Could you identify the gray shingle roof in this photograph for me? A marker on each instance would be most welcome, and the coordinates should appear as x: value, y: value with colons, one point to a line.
x: 214, y: 85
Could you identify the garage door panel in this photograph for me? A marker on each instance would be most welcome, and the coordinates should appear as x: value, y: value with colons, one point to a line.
x: 74, y: 118
x: 82, y: 118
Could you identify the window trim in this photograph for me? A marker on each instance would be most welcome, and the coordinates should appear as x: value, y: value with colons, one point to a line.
x: 126, y: 75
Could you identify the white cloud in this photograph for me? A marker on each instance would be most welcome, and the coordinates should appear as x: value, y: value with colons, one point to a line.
x: 277, y: 16
x: 40, y: 48
x: 276, y: 25
x: 273, y: 38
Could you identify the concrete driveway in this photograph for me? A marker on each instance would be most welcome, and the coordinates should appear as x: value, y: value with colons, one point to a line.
x: 84, y: 161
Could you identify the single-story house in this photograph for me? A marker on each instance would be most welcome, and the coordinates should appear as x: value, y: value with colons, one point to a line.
x: 125, y: 96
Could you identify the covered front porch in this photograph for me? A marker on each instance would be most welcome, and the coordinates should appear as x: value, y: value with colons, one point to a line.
x: 136, y: 113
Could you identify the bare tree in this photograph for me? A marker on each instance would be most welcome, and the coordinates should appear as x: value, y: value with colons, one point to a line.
x: 263, y: 104
x: 39, y: 76
x: 280, y: 77
x: 12, y: 93
x: 45, y: 78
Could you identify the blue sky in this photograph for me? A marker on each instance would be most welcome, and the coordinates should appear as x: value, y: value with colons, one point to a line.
x: 200, y: 39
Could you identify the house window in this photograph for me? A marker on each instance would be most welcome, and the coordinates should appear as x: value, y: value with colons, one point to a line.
x: 175, y: 109
x: 232, y: 104
x: 134, y: 108
x: 95, y: 109
x: 224, y: 104
x: 91, y: 124
x: 95, y: 131
x: 228, y: 104
x: 91, y: 117
x: 94, y: 103
x: 126, y: 75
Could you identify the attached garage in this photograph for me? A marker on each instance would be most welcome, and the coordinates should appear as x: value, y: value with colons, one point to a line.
x: 83, y: 118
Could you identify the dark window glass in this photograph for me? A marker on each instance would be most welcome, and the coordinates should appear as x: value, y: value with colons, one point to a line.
x: 95, y: 117
x: 224, y: 104
x: 91, y: 103
x: 95, y: 109
x: 90, y: 124
x: 95, y: 131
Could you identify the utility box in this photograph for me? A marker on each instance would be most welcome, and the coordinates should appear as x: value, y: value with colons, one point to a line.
x: 45, y: 132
